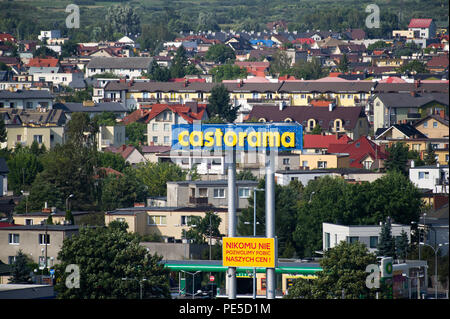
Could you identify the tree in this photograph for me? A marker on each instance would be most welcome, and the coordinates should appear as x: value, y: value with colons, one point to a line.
x: 81, y: 130
x: 112, y: 160
x: 245, y: 175
x: 45, y: 52
x: 343, y: 275
x: 69, y: 217
x: 158, y: 73
x: 156, y: 175
x: 228, y: 72
x: 414, y: 66
x: 201, y: 228
x: 401, y: 246
x: 136, y: 133
x: 343, y: 63
x: 23, y: 169
x: 180, y: 61
x: 105, y: 119
x: 69, y: 49
x: 397, y: 158
x: 121, y: 191
x: 219, y: 104
x: 220, y: 53
x: 308, y: 70
x: 430, y: 157
x: 123, y: 19
x: 386, y: 243
x: 20, y: 273
x: 317, y: 130
x: 281, y: 63
x: 3, y: 132
x: 108, y: 255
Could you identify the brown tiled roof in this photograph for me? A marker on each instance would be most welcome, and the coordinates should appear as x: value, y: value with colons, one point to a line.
x: 301, y: 114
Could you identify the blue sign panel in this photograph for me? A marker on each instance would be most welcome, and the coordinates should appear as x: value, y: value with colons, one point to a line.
x: 244, y: 137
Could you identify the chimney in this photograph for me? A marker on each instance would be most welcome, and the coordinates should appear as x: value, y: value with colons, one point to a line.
x: 240, y: 83
x: 412, y: 164
x: 331, y: 107
x: 46, y: 209
x: 186, y: 82
x: 412, y: 93
x: 194, y: 107
x: 442, y: 113
x: 139, y: 204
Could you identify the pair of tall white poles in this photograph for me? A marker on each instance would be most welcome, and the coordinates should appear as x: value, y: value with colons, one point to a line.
x: 270, y: 217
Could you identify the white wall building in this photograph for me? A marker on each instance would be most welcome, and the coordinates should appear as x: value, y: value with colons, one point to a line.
x: 123, y: 67
x: 369, y: 235
x: 434, y: 177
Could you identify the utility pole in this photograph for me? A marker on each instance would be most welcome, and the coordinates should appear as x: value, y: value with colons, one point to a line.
x: 270, y: 218
x: 231, y: 216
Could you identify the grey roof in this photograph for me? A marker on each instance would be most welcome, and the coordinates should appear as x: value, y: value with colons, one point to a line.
x: 70, y: 107
x: 134, y: 210
x: 120, y: 63
x: 42, y: 227
x: 297, y: 171
x: 3, y: 166
x: 27, y: 94
x: 215, y: 182
x: 407, y: 100
x: 406, y: 129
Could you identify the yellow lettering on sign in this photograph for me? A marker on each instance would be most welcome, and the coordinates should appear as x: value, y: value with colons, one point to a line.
x: 242, y: 136
x: 209, y: 138
x: 181, y: 138
x: 227, y: 138
x: 248, y: 252
x: 291, y: 136
x: 273, y: 137
x: 218, y: 135
x: 198, y: 141
x: 251, y: 139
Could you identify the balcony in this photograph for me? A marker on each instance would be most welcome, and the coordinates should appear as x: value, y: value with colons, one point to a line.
x: 198, y: 200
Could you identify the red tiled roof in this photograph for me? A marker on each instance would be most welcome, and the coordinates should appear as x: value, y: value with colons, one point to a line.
x: 183, y: 110
x: 42, y: 63
x: 438, y: 61
x: 358, y: 150
x: 323, y: 141
x: 107, y: 171
x: 7, y: 37
x: 124, y: 150
x: 320, y: 103
x: 420, y: 23
x: 303, y: 40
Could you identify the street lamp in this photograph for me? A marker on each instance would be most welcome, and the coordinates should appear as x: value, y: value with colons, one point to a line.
x: 435, y: 264
x: 26, y: 201
x: 140, y: 284
x: 67, y: 201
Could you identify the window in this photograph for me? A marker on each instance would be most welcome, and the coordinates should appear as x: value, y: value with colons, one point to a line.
x: 44, y: 239
x: 166, y: 139
x: 11, y: 260
x: 14, y: 239
x: 155, y: 139
x: 367, y: 164
x: 373, y: 241
x: 352, y: 239
x: 154, y: 127
x: 157, y: 220
x: 167, y: 127
x: 38, y: 138
x: 425, y: 124
x: 322, y: 164
x: 219, y: 192
x: 255, y: 95
x: 305, y: 163
x: 29, y: 105
x: 203, y: 192
x: 28, y: 222
x: 185, y: 220
x: 435, y: 124
x: 285, y: 161
x: 244, y: 192
x: 120, y: 219
x: 19, y: 138
x: 327, y: 241
x: 424, y: 175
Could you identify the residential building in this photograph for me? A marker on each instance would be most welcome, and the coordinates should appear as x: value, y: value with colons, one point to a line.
x: 328, y: 160
x: 363, y: 153
x: 26, y: 99
x: 38, y: 218
x: 92, y: 108
x: 207, y: 164
x: 283, y: 177
x: 160, y: 118
x: 422, y: 28
x: 129, y: 153
x: 351, y: 121
x: 50, y: 34
x: 168, y: 222
x: 123, y: 67
x: 392, y: 108
x: 436, y: 228
x: 208, y: 193
x: 46, y: 127
x: 333, y: 234
x: 151, y: 152
x: 4, y: 170
x: 110, y: 136
x: 36, y: 241
x: 431, y: 177
x: 433, y: 126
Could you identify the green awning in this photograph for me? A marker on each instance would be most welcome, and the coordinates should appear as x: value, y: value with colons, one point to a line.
x: 219, y: 268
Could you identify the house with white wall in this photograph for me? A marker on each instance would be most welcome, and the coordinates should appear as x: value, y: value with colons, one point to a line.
x: 369, y: 235
x: 432, y: 177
